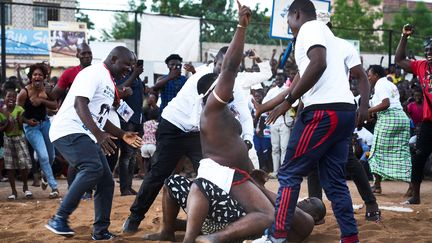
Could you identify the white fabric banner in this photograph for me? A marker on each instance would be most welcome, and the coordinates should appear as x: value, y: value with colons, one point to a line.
x: 164, y: 35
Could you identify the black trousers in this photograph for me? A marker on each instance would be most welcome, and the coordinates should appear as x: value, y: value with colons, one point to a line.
x: 424, y: 149
x: 355, y: 170
x: 127, y: 159
x: 171, y: 144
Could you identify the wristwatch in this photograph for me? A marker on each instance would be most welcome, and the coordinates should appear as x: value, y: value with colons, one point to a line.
x: 290, y: 99
x: 248, y: 144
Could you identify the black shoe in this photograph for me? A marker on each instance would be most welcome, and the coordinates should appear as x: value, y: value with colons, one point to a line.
x: 104, y: 236
x: 59, y: 226
x: 130, y: 225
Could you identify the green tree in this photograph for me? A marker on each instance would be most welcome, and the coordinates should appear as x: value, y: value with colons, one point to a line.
x: 124, y: 24
x: 219, y: 20
x: 421, y: 18
x: 356, y: 21
x: 82, y: 17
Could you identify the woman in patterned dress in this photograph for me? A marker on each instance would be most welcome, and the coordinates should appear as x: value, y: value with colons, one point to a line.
x: 390, y: 156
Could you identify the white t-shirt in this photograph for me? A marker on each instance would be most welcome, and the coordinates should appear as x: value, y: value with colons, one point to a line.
x: 96, y: 84
x: 273, y: 92
x: 333, y: 85
x: 386, y: 89
x: 352, y: 57
x: 365, y: 135
x: 181, y: 110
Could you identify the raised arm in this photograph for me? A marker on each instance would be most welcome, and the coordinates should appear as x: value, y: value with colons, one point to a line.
x: 223, y: 91
x: 400, y: 56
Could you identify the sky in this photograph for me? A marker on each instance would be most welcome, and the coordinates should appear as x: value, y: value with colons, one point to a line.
x: 104, y: 20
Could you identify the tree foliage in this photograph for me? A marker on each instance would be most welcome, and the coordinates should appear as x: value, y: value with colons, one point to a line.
x: 82, y: 17
x: 421, y: 18
x: 124, y: 24
x: 219, y: 18
x: 356, y: 21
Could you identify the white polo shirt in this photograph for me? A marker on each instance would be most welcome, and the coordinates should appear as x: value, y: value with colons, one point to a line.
x: 333, y: 85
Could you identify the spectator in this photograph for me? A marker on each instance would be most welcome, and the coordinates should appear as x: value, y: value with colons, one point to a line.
x: 390, y: 156
x: 84, y: 54
x: 149, y: 137
x: 280, y: 129
x: 169, y: 85
x: 262, y: 136
x: 127, y: 159
x: 35, y: 102
x: 422, y: 69
x: 16, y: 154
x: 415, y: 108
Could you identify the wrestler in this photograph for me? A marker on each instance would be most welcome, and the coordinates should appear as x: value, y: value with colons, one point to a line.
x: 224, y: 195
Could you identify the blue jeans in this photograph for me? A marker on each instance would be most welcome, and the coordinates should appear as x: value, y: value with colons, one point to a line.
x: 86, y: 156
x: 39, y: 139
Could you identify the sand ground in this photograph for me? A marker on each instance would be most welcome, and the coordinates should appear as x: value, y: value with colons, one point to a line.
x: 23, y: 220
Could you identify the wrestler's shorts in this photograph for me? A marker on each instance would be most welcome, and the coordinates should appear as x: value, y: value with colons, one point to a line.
x: 223, y: 209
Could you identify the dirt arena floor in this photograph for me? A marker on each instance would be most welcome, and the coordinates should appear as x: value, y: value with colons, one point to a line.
x: 23, y: 220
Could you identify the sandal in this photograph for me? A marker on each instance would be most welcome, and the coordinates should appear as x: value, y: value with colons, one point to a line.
x: 54, y: 194
x: 12, y: 197
x: 376, y: 189
x: 28, y: 194
x: 374, y: 216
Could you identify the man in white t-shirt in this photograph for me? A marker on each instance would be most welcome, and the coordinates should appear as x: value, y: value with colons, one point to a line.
x: 83, y: 134
x: 280, y: 129
x: 323, y: 130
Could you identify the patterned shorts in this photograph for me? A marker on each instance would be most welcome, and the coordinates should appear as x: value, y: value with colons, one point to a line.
x: 223, y: 210
x: 16, y: 154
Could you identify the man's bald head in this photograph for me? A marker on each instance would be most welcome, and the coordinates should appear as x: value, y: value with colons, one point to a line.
x: 84, y: 54
x: 119, y: 61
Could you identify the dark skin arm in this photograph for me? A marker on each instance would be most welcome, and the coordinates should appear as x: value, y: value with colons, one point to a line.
x: 279, y: 99
x: 312, y: 74
x: 384, y: 105
x: 130, y: 138
x: 50, y: 104
x: 162, y: 81
x: 400, y: 55
x: 359, y: 73
x: 18, y: 74
x: 56, y: 93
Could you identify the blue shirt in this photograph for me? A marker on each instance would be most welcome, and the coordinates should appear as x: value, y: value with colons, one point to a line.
x: 135, y: 101
x: 170, y: 90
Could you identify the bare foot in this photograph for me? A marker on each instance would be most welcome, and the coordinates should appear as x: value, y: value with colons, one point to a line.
x: 160, y: 236
x: 206, y: 239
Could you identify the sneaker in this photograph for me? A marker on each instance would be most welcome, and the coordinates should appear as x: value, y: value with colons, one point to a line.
x: 130, y: 225
x: 59, y: 226
x: 54, y: 194
x: 104, y: 236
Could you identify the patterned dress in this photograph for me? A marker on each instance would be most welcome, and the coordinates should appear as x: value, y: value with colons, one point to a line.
x: 390, y: 156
